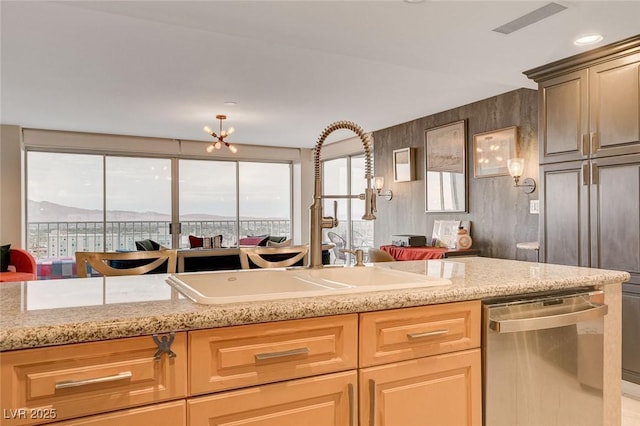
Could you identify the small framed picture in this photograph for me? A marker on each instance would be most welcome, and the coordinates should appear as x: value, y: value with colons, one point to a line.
x: 403, y: 165
x: 491, y: 151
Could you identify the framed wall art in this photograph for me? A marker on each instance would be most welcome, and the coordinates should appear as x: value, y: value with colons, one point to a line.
x: 403, y: 165
x: 445, y: 149
x: 491, y: 151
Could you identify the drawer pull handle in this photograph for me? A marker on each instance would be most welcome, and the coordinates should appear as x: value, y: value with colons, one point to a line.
x: 413, y: 336
x: 352, y: 405
x: 76, y: 383
x: 282, y: 354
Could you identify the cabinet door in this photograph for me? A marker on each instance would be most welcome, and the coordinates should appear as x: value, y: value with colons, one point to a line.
x: 615, y: 214
x: 443, y: 390
x: 615, y: 107
x: 564, y: 213
x: 564, y: 119
x: 328, y: 400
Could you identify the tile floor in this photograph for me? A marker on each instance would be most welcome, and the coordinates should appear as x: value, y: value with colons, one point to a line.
x: 630, y: 404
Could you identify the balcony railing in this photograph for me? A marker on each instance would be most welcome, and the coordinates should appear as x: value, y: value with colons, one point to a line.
x: 61, y: 239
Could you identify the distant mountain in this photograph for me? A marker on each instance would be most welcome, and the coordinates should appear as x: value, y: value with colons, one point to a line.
x: 45, y: 211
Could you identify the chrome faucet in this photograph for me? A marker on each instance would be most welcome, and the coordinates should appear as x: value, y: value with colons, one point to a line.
x: 318, y: 222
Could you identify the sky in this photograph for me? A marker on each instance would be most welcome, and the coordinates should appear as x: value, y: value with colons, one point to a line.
x: 144, y: 184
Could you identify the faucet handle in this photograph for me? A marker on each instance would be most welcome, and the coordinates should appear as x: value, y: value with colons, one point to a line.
x: 329, y: 222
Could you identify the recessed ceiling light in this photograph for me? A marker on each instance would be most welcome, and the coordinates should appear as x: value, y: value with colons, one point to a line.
x: 230, y: 103
x: 587, y: 39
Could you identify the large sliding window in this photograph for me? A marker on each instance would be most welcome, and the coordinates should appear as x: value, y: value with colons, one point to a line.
x: 101, y: 202
x: 208, y: 200
x: 65, y: 208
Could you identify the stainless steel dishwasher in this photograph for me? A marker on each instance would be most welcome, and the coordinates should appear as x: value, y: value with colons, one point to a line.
x: 542, y: 359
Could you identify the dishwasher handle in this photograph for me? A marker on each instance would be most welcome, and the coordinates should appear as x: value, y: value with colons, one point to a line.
x: 551, y: 321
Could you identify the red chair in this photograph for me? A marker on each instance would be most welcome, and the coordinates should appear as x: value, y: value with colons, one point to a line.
x: 25, y: 266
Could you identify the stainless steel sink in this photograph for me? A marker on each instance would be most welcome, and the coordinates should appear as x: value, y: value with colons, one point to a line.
x: 261, y: 284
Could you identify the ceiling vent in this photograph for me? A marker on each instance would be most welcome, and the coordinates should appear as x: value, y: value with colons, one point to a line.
x: 530, y: 18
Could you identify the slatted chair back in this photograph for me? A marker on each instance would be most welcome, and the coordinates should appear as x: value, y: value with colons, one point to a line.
x: 256, y: 255
x: 100, y: 262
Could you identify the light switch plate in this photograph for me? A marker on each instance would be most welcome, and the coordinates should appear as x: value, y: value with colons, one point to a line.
x: 534, y: 206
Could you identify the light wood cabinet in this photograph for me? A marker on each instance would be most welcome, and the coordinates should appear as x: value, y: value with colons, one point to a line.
x: 422, y: 366
x: 415, y: 364
x: 441, y: 390
x: 325, y: 400
x: 235, y: 357
x: 81, y: 379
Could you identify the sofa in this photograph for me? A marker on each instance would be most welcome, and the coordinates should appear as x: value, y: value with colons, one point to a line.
x: 22, y: 266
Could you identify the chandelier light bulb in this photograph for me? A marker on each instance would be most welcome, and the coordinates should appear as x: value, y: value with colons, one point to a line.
x: 210, y: 148
x: 230, y: 130
x: 207, y: 129
x: 233, y: 149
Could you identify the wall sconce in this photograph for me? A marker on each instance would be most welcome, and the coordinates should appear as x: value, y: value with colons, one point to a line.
x: 516, y: 167
x: 379, y: 184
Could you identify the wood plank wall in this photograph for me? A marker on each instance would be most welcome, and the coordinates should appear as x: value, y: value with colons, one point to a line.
x: 499, y: 212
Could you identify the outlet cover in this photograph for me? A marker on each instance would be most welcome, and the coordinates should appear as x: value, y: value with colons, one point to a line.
x: 534, y: 206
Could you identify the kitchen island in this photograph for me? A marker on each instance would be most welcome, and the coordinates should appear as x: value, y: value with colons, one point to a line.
x: 53, y: 313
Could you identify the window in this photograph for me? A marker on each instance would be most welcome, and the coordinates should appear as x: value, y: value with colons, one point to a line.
x: 208, y: 200
x: 345, y: 177
x: 91, y: 202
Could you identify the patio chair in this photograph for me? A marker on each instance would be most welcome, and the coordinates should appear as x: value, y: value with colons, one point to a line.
x: 101, y: 262
x: 339, y: 245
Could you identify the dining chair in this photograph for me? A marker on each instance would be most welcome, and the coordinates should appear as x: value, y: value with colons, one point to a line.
x: 101, y: 262
x: 340, y: 245
x: 273, y: 257
x: 377, y: 255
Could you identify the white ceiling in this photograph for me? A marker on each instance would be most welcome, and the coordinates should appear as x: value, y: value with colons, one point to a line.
x: 165, y: 69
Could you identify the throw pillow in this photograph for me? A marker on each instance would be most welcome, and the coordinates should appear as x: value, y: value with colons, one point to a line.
x: 195, y: 242
x: 147, y: 245
x: 254, y: 241
x: 5, y: 257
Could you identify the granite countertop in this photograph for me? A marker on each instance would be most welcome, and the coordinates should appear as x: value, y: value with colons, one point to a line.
x: 55, y: 312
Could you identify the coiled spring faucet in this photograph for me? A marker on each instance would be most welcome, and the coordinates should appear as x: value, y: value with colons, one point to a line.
x: 318, y: 222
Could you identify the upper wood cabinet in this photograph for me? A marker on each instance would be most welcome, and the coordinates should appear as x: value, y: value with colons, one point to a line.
x: 590, y: 104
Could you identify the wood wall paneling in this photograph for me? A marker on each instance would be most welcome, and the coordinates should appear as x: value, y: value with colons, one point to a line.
x: 499, y: 213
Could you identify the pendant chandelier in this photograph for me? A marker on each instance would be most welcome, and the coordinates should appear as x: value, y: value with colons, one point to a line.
x: 217, y: 144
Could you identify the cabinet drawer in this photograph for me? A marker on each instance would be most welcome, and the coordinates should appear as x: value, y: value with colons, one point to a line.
x: 324, y: 400
x: 171, y: 413
x: 401, y: 334
x: 234, y: 357
x: 89, y: 378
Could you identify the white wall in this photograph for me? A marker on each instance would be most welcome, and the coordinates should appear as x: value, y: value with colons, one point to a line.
x: 11, y: 186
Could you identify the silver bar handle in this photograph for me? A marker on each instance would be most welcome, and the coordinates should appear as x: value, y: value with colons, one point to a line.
x: 585, y: 144
x: 414, y: 336
x: 372, y: 402
x: 86, y: 382
x: 352, y: 405
x: 594, y: 143
x: 281, y: 354
x: 551, y: 321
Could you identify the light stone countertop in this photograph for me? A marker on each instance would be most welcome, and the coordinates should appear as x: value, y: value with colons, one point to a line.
x: 55, y: 312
